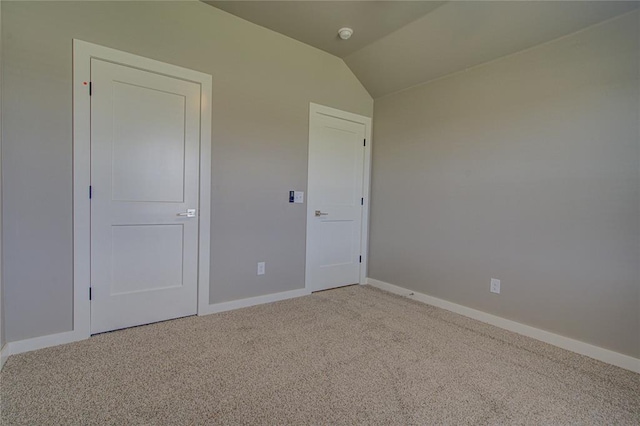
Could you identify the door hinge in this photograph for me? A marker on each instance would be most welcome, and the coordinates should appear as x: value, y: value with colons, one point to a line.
x: 90, y: 88
x: 90, y: 293
x: 362, y: 201
x: 365, y: 143
x: 360, y: 259
x: 90, y: 191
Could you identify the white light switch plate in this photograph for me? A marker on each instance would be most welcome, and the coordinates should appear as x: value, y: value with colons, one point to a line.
x: 495, y: 286
x: 298, y: 197
x: 261, y: 268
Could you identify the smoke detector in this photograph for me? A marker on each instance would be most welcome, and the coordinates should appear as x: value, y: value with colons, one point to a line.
x: 345, y: 33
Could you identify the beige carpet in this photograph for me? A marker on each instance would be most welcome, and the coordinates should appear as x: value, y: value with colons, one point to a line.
x: 355, y: 355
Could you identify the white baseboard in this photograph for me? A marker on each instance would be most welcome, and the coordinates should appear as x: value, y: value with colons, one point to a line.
x: 42, y: 342
x: 252, y: 301
x: 4, y: 354
x: 601, y: 354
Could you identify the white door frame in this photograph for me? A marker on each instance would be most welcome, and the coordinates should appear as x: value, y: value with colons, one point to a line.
x: 315, y: 109
x: 82, y: 54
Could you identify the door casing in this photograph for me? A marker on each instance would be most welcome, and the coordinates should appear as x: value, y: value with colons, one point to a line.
x: 314, y: 111
x: 82, y: 54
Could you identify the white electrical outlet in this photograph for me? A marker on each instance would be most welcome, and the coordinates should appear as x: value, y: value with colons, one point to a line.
x: 298, y: 197
x: 261, y: 268
x: 495, y: 286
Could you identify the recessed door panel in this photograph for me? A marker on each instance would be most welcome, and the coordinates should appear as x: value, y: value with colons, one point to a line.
x: 341, y: 181
x: 336, y: 243
x: 146, y: 258
x: 148, y: 144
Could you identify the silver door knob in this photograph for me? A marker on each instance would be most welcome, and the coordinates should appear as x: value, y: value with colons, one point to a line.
x: 188, y: 213
x: 319, y: 213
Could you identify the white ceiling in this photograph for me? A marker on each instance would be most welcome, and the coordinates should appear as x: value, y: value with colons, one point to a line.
x: 317, y: 22
x: 399, y: 44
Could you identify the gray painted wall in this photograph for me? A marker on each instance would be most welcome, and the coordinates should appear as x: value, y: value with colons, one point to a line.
x: 525, y: 169
x: 2, y: 333
x: 262, y: 85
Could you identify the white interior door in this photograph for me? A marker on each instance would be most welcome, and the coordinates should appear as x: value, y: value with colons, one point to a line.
x: 145, y: 130
x: 335, y: 198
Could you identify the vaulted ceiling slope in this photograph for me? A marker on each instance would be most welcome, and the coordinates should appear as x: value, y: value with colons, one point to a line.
x: 400, y: 44
x: 317, y: 22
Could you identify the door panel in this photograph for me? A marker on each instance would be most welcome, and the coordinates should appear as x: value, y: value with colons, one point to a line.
x: 340, y: 155
x: 159, y: 147
x: 144, y: 173
x: 146, y: 258
x: 336, y: 242
x: 336, y: 173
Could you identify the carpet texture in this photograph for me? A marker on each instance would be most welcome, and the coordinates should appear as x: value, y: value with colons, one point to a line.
x: 355, y: 355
